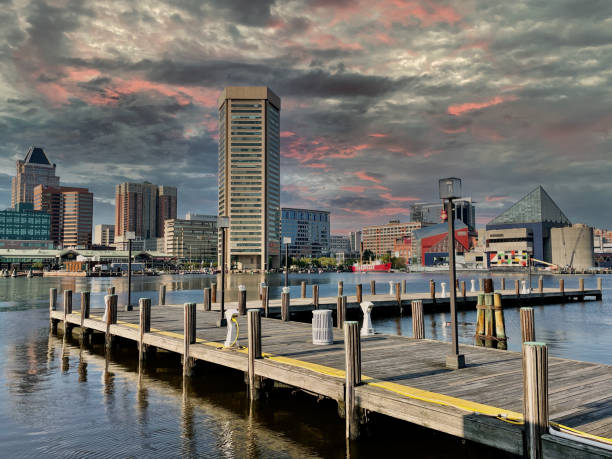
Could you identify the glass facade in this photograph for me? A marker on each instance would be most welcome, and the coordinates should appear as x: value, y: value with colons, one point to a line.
x: 536, y: 207
x: 24, y: 223
x: 308, y: 230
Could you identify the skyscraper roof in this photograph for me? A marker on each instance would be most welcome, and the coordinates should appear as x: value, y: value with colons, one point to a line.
x: 535, y: 207
x: 36, y: 155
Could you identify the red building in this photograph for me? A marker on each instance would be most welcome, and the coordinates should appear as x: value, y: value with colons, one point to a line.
x: 432, y: 242
x: 402, y: 248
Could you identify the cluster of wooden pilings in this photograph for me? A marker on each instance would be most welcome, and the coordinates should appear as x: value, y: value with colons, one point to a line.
x: 490, y: 323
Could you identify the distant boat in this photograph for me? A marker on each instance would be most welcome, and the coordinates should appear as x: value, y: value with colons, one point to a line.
x: 376, y: 265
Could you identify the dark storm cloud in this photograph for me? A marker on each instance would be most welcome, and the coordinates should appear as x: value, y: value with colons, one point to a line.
x: 355, y: 202
x: 247, y: 12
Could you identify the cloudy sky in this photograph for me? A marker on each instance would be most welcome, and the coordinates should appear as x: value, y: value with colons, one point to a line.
x: 380, y: 98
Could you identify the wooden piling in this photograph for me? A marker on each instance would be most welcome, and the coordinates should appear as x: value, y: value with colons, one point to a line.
x: 463, y: 291
x: 303, y: 289
x: 398, y: 296
x: 352, y: 355
x: 503, y: 284
x: 404, y: 286
x: 432, y: 290
x: 265, y: 300
x: 527, y: 325
x: 144, y: 325
x: 480, y: 319
x: 242, y: 300
x: 480, y: 285
x: 213, y: 292
x: 373, y: 287
x: 67, y: 310
x: 541, y: 285
x: 85, y: 306
x: 285, y: 304
x: 489, y: 324
x: 562, y: 286
x: 315, y: 296
x: 581, y: 285
x: 488, y: 285
x: 110, y: 290
x: 340, y: 311
x: 418, y: 323
x: 110, y: 305
x: 500, y: 323
x: 359, y: 293
x: 340, y: 288
x: 517, y: 288
x: 207, y: 299
x: 254, y: 336
x: 52, y: 308
x: 599, y: 284
x: 189, y: 335
x: 162, y: 295
x: 535, y: 396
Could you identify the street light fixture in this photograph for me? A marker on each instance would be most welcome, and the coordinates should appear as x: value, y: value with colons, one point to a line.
x: 450, y: 188
x: 223, y: 223
x: 130, y: 236
x: 286, y: 241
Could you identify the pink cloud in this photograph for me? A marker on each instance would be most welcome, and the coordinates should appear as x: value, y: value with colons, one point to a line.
x: 317, y: 165
x: 496, y: 198
x: 384, y: 211
x: 426, y: 11
x: 377, y: 135
x: 430, y: 153
x: 354, y: 189
x: 389, y: 197
x: 454, y: 131
x: 363, y: 176
x: 460, y: 109
x: 285, y: 134
x: 401, y: 150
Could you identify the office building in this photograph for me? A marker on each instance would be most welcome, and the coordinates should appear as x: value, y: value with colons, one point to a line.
x: 537, y: 212
x: 402, y: 248
x: 428, y: 213
x: 249, y: 176
x: 308, y: 230
x: 71, y: 212
x: 339, y: 244
x: 104, y: 235
x: 201, y: 217
x: 23, y: 227
x: 34, y: 170
x: 380, y: 239
x: 142, y: 208
x: 355, y: 237
x: 191, y: 240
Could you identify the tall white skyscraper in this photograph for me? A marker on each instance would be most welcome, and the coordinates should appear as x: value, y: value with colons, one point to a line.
x: 249, y: 176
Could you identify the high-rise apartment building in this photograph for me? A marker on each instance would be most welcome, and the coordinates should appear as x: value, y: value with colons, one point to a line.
x: 380, y: 239
x: 355, y: 241
x: 143, y: 209
x: 308, y: 230
x: 34, y: 170
x: 71, y: 211
x: 104, y: 235
x: 249, y: 176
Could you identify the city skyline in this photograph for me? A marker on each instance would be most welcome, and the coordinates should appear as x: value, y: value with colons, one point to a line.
x: 506, y: 96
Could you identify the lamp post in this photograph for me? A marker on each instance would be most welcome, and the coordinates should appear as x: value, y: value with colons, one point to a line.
x: 286, y: 241
x: 130, y: 236
x: 450, y: 188
x: 223, y: 223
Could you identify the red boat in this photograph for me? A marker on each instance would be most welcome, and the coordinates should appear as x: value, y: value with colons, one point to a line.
x: 374, y: 266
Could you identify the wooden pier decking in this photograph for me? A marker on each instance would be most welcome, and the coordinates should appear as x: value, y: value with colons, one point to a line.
x: 402, y: 377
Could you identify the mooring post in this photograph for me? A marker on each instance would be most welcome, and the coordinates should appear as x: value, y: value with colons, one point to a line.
x: 404, y: 286
x: 463, y: 291
x: 303, y: 289
x: 340, y: 288
x: 340, y: 313
x: 207, y: 299
x: 503, y: 283
x: 67, y: 310
x: 352, y: 357
x: 285, y: 303
x: 373, y: 287
x: 489, y: 332
x: 398, y: 296
x: 432, y: 290
x: 315, y: 296
x: 213, y: 292
x: 562, y: 287
x: 189, y: 335
x: 254, y: 335
x: 265, y: 300
x: 85, y: 302
x: 480, y: 319
x: 517, y: 289
x: 359, y: 293
x: 500, y: 323
x: 52, y: 308
x: 242, y: 300
x: 480, y: 285
x: 535, y: 396
x: 110, y: 290
x: 110, y: 304
x: 599, y: 284
x: 162, y: 295
x: 418, y: 324
x: 527, y: 325
x: 144, y: 324
x: 581, y: 286
x: 541, y: 285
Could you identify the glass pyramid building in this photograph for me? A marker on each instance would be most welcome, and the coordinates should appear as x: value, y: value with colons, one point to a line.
x: 536, y: 207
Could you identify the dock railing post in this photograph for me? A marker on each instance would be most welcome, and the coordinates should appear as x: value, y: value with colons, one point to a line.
x: 189, y: 335
x: 541, y: 285
x: 372, y: 287
x: 404, y: 286
x: 315, y: 296
x: 162, y: 295
x: 265, y: 300
x: 418, y: 324
x: 527, y: 325
x: 340, y: 288
x: 562, y: 287
x: 398, y: 296
x: 535, y: 396
x: 254, y: 335
x: 303, y: 289
x: 207, y: 299
x: 581, y: 286
x: 242, y: 300
x: 67, y: 310
x: 503, y: 284
x: 359, y: 293
x: 85, y: 306
x: 144, y: 324
x: 432, y: 290
x: 463, y: 291
x: 110, y: 313
x: 213, y: 292
x: 52, y: 308
x: 599, y: 284
x: 352, y: 353
x: 517, y: 289
x: 285, y: 304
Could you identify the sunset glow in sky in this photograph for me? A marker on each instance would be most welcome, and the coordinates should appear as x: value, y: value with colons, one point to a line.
x: 380, y: 98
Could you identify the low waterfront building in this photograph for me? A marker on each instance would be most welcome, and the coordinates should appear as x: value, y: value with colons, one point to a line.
x: 308, y: 230
x: 339, y: 244
x: 104, y: 235
x: 193, y: 240
x: 508, y: 247
x: 402, y: 248
x: 380, y: 239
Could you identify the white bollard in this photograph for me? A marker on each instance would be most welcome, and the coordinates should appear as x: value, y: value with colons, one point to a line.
x: 286, y: 289
x: 443, y: 284
x: 322, y: 327
x: 524, y: 284
x: 391, y: 288
x: 367, y: 328
x: 473, y: 286
x: 232, y: 328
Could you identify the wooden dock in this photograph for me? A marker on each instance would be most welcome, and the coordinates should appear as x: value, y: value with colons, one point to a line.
x: 400, y: 377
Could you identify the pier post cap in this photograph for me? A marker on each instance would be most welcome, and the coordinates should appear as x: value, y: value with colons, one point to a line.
x: 366, y: 306
x: 286, y: 289
x: 230, y: 314
x: 526, y: 308
x: 253, y: 310
x: 351, y: 323
x: 188, y: 304
x: 242, y: 288
x: 534, y: 344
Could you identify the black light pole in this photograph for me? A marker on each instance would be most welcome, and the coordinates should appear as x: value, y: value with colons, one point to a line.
x: 450, y: 188
x: 129, y: 236
x: 223, y: 223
